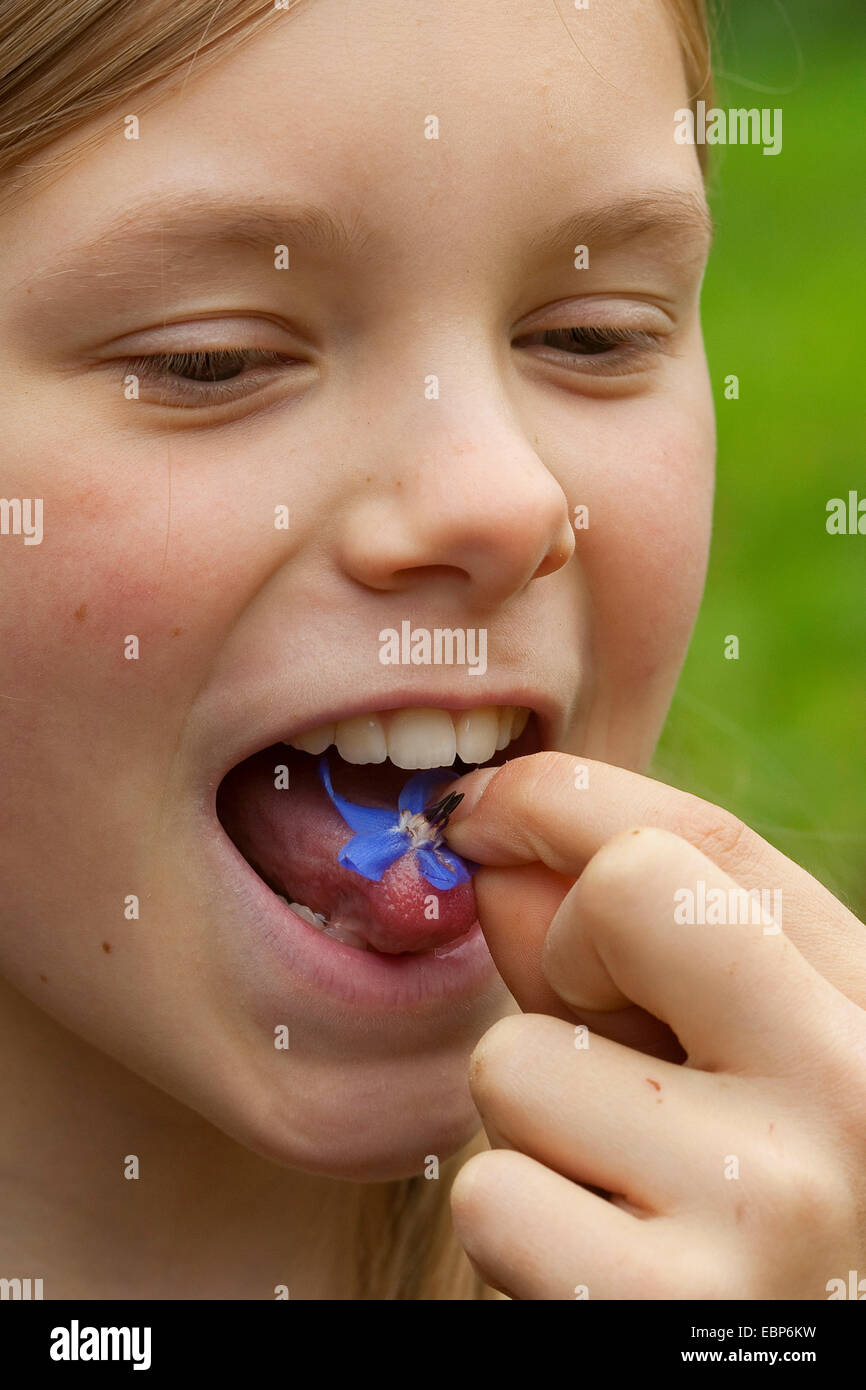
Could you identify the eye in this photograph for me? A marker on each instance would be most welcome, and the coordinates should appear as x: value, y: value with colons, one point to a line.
x: 209, y: 376
x: 602, y: 350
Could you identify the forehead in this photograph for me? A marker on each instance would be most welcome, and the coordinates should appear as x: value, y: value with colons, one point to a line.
x: 439, y: 123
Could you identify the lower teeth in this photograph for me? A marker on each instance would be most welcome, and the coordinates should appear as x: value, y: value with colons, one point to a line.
x: 315, y: 919
x: 348, y: 938
x: 328, y: 928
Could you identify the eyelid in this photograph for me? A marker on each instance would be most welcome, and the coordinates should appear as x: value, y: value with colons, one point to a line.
x: 222, y: 333
x: 599, y: 311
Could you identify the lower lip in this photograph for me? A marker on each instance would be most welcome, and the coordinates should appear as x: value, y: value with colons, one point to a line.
x: 370, y: 981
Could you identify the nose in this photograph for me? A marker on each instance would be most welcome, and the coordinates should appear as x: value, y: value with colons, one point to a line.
x: 472, y: 504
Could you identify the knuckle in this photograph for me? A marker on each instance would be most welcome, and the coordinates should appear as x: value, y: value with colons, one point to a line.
x: 477, y: 1189
x: 721, y: 836
x: 843, y: 1100
x: 493, y: 1056
x: 853, y: 1117
x: 470, y: 1190
x: 616, y: 877
x: 807, y: 1192
x: 820, y: 1201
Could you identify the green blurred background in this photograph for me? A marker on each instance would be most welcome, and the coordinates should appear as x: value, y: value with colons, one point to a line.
x: 779, y: 736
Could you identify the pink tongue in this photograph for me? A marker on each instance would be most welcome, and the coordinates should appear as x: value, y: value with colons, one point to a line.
x: 291, y: 837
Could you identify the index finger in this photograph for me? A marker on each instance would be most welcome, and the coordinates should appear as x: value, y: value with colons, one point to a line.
x: 560, y: 810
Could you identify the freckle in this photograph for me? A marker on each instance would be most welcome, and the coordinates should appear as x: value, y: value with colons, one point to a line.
x: 106, y: 946
x: 772, y: 1127
x: 176, y: 631
x: 81, y: 612
x: 739, y: 1212
x: 635, y: 832
x: 657, y: 1084
x: 43, y: 978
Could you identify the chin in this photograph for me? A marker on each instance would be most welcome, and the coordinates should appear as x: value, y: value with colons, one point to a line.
x: 387, y: 1132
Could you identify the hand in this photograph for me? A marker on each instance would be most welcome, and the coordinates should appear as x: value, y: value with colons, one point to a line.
x: 738, y: 1174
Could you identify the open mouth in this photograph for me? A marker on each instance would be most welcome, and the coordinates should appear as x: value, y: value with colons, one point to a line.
x: 275, y: 809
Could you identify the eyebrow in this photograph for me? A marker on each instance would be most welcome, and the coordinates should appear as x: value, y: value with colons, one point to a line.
x: 186, y: 224
x: 675, y: 213
x: 183, y: 225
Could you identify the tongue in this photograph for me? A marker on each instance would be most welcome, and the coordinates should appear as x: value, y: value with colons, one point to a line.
x: 291, y: 838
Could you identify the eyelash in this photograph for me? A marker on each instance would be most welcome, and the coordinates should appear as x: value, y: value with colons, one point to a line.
x: 621, y: 348
x: 208, y: 387
x: 196, y: 375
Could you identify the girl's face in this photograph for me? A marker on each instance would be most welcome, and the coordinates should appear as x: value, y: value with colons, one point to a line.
x: 380, y: 211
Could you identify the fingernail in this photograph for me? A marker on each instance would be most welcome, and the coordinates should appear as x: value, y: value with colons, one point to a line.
x: 441, y: 811
x: 472, y: 786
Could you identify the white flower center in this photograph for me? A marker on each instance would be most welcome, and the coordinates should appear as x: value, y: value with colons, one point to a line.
x: 419, y: 829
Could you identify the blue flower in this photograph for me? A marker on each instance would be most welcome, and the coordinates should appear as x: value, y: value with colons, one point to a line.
x: 384, y: 836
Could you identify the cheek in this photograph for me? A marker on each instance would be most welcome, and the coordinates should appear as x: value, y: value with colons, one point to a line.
x: 647, y: 479
x: 646, y: 562
x: 135, y: 576
x: 91, y: 716
x: 101, y: 649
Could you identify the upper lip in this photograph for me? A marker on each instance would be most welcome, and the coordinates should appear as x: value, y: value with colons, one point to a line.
x: 530, y: 698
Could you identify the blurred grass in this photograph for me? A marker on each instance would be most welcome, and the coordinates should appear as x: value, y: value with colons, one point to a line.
x: 779, y: 736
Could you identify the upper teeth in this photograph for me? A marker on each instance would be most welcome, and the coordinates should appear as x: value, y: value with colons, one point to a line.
x: 419, y: 738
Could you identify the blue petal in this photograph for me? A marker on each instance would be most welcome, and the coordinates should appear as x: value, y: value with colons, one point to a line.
x: 442, y: 867
x: 416, y: 792
x: 367, y: 819
x: 380, y: 842
x: 371, y: 855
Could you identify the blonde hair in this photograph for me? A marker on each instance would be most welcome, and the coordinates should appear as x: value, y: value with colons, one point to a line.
x: 62, y: 65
